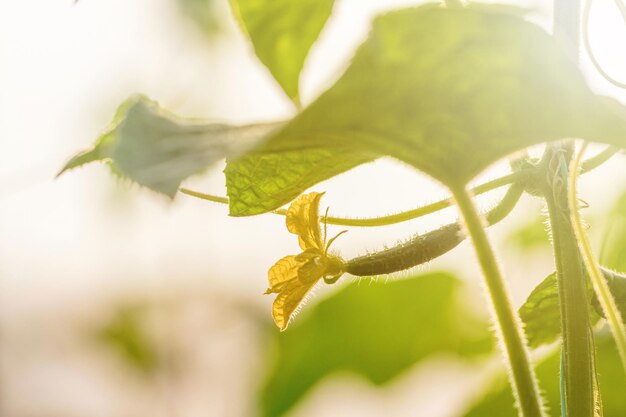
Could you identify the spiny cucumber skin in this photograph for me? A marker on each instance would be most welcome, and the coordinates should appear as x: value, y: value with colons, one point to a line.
x: 419, y: 250
x: 424, y: 248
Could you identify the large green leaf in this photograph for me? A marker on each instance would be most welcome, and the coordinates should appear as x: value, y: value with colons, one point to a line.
x: 498, y: 401
x: 449, y: 91
x: 260, y: 183
x: 282, y: 32
x: 158, y: 150
x: 377, y: 330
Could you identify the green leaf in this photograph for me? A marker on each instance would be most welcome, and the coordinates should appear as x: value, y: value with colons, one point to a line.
x: 531, y: 235
x: 449, y: 91
x: 125, y: 334
x: 541, y: 312
x: 376, y: 330
x: 282, y: 32
x: 617, y: 284
x: 260, y: 183
x: 498, y: 401
x: 158, y: 150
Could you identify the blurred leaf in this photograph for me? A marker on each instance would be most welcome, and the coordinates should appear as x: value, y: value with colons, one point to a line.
x: 158, y: 150
x: 614, y: 248
x: 282, y: 32
x: 498, y: 401
x: 125, y: 334
x: 617, y: 284
x: 203, y: 13
x: 531, y: 235
x: 377, y: 330
x: 448, y: 91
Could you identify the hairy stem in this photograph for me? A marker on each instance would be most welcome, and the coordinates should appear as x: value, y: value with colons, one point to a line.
x: 509, y: 330
x: 578, y: 376
x: 517, y: 177
x: 577, y: 354
x: 392, y: 218
x: 600, y: 285
x: 599, y: 159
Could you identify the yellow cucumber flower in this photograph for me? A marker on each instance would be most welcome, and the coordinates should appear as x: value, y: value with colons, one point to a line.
x: 294, y: 276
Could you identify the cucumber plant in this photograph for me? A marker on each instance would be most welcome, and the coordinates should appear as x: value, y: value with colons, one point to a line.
x: 448, y: 89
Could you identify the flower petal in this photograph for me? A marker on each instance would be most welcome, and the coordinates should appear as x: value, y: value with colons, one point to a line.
x: 303, y: 220
x: 287, y: 302
x: 312, y: 271
x: 283, y: 272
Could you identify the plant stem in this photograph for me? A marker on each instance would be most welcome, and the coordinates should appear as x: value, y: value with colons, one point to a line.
x: 516, y: 177
x: 578, y: 355
x: 599, y: 159
x: 513, y: 177
x: 508, y: 326
x: 600, y: 285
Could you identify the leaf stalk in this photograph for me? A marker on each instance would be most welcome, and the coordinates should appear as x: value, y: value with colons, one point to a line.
x: 578, y: 376
x: 508, y: 327
x: 600, y: 285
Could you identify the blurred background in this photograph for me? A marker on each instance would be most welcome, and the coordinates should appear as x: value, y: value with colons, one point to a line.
x: 115, y: 302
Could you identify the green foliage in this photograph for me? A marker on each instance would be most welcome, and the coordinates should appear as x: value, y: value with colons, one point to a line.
x: 541, y: 313
x: 260, y: 183
x: 203, y: 13
x: 448, y: 91
x: 530, y: 235
x: 614, y: 253
x: 617, y: 284
x: 498, y: 401
x: 282, y: 32
x: 408, y: 94
x: 158, y: 150
x: 376, y: 330
x: 126, y: 335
